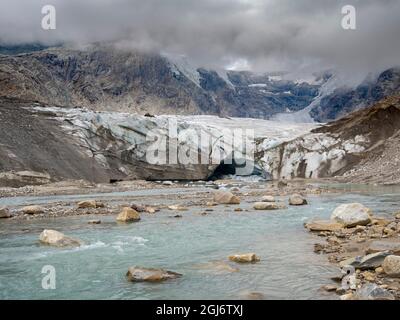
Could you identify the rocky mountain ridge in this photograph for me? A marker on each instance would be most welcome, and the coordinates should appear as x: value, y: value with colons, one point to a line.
x: 121, y: 81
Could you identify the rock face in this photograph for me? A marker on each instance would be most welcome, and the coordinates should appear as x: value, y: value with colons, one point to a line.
x: 58, y: 239
x: 323, y: 225
x: 90, y: 204
x: 268, y: 206
x: 139, y: 274
x: 244, y: 258
x: 33, y: 210
x: 225, y: 197
x: 351, y: 215
x: 391, y: 266
x: 297, y: 200
x: 4, y: 213
x: 128, y: 215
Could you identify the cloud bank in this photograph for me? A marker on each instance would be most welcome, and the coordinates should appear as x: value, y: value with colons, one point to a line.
x: 269, y: 35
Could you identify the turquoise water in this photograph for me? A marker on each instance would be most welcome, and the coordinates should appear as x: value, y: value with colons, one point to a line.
x: 288, y: 269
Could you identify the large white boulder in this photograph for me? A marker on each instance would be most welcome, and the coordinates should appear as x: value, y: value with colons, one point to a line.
x: 58, y: 239
x: 352, y: 214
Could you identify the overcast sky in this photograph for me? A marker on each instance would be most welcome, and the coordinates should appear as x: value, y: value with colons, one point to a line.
x: 264, y: 35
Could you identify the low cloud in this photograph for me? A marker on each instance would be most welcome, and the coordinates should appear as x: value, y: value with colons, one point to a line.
x: 268, y: 35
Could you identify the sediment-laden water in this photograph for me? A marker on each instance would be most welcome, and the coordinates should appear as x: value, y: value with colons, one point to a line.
x: 288, y: 269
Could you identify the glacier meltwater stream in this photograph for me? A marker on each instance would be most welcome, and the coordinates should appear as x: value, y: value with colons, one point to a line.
x: 193, y: 245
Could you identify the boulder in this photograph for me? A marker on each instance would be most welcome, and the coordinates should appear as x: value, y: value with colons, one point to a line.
x: 150, y: 210
x: 94, y: 222
x: 391, y: 266
x: 4, y: 213
x: 87, y: 204
x: 139, y: 274
x: 370, y: 261
x: 392, y: 246
x: 177, y: 208
x: 58, y: 239
x: 351, y: 215
x: 371, y: 291
x: 244, y: 258
x: 329, y: 288
x: 297, y: 200
x: 268, y: 199
x: 128, y: 215
x: 268, y: 206
x: 23, y: 178
x: 225, y: 197
x: 323, y: 225
x: 33, y: 209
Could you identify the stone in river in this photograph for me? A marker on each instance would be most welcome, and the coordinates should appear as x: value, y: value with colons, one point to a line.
x: 58, y: 239
x: 87, y: 204
x: 244, y: 258
x: 268, y: 206
x: 33, y: 209
x: 128, y: 215
x: 177, y: 208
x: 94, y: 222
x: 297, y: 200
x: 139, y: 274
x: 268, y: 199
x: 4, y: 213
x: 351, y: 215
x: 225, y: 197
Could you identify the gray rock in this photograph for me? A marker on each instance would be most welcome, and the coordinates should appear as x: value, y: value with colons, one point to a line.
x: 371, y: 291
x: 390, y: 245
x: 370, y: 261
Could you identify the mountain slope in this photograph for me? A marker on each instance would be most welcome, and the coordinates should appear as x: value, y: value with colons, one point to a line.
x: 103, y: 78
x: 344, y: 100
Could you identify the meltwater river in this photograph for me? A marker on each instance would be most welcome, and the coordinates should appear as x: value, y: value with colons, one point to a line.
x: 190, y: 245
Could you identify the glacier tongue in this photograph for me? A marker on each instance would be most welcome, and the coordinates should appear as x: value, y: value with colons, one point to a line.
x: 120, y: 141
